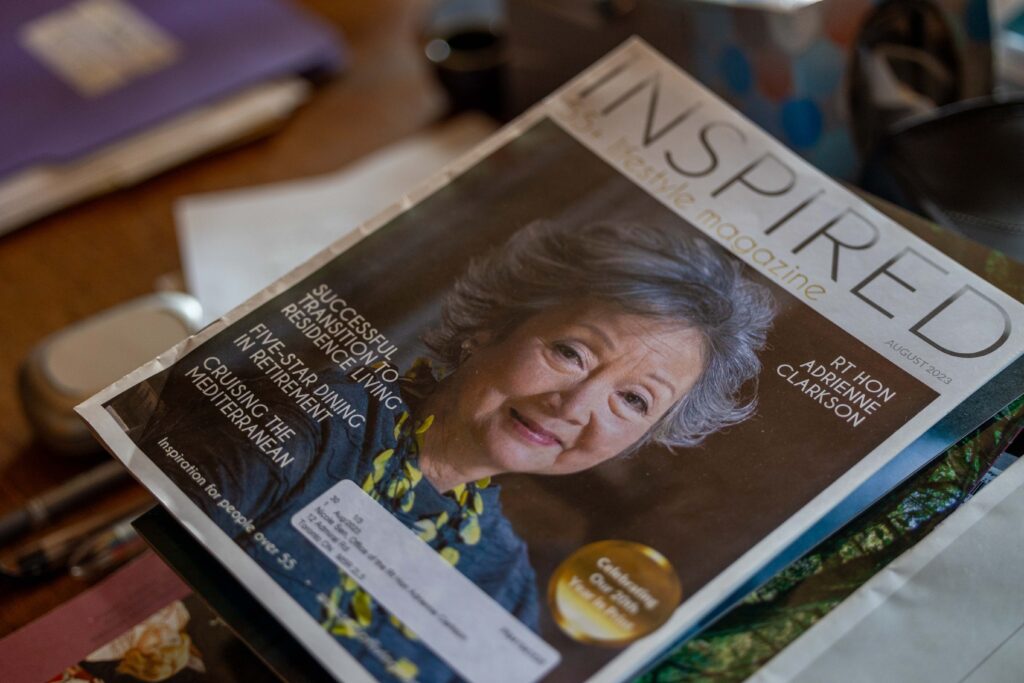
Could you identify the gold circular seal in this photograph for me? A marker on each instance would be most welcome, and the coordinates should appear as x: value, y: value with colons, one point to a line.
x: 611, y: 593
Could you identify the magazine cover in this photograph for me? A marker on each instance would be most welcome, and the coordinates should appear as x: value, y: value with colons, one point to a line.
x: 140, y: 624
x: 536, y: 420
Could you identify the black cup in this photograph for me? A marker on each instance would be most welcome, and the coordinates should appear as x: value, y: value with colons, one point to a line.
x: 470, y: 64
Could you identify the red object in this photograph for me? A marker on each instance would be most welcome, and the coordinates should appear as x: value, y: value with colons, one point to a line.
x: 42, y: 650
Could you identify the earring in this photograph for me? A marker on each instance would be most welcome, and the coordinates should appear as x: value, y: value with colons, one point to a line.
x: 467, y: 350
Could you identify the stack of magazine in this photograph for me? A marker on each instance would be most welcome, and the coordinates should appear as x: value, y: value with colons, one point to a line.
x: 567, y: 400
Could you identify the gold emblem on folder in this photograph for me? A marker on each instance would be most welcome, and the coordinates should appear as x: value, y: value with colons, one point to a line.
x: 613, y: 592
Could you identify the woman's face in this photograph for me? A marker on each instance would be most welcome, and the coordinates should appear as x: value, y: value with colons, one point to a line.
x: 570, y: 388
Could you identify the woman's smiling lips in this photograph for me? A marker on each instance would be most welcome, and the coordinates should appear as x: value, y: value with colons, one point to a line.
x: 532, y: 431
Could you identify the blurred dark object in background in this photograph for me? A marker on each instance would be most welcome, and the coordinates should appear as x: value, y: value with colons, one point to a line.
x: 928, y: 148
x: 550, y: 42
x: 961, y: 166
x: 906, y: 62
x: 1009, y: 21
x: 503, y: 56
x: 470, y: 64
x: 465, y: 42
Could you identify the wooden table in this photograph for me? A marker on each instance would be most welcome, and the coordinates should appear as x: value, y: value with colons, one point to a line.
x: 114, y: 248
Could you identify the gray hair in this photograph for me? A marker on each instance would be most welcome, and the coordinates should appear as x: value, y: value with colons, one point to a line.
x: 647, y: 270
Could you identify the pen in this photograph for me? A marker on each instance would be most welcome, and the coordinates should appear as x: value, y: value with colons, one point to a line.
x: 52, y: 551
x: 58, y: 500
x: 105, y: 551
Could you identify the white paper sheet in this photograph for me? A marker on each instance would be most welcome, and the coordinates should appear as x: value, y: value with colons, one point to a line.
x: 237, y: 242
x: 949, y: 610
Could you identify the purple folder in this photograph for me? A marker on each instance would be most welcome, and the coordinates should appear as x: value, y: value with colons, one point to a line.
x: 220, y: 46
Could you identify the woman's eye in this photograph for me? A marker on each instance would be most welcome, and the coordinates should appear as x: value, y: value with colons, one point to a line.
x: 569, y: 353
x: 636, y: 402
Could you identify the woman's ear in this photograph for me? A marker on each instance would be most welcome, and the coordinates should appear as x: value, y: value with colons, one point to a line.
x: 471, y: 344
x: 481, y: 338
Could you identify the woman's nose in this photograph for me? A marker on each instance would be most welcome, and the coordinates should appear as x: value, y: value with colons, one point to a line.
x: 576, y: 403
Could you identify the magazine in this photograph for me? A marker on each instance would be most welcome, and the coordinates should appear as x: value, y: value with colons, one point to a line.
x: 140, y: 624
x: 540, y: 417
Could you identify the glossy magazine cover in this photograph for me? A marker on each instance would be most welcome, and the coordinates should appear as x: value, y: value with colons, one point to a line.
x: 538, y: 419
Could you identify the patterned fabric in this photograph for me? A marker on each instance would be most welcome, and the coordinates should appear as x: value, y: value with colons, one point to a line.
x: 394, y: 482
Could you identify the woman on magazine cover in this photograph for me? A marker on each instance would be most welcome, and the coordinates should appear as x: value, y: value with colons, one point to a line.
x: 564, y: 348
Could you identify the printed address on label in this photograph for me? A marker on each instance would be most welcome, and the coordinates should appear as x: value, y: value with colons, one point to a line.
x: 462, y: 625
